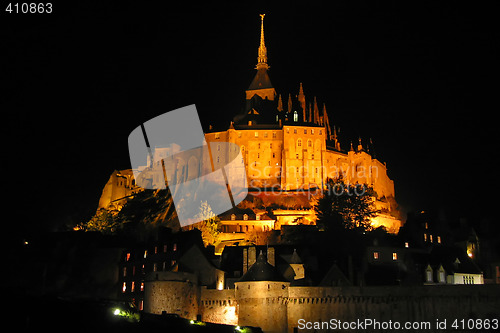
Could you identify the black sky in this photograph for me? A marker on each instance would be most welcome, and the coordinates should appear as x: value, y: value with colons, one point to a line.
x: 419, y: 78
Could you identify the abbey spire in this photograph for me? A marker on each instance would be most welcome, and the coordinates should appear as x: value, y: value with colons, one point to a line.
x: 262, y: 57
x: 261, y: 84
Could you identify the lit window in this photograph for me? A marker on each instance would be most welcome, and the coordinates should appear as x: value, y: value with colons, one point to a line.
x: 142, y: 286
x: 124, y: 271
x: 245, y: 217
x: 217, y: 135
x: 425, y: 237
x: 256, y: 134
x: 156, y: 249
x: 257, y: 217
x: 233, y: 217
x: 175, y: 247
x: 124, y: 287
x: 407, y: 244
x: 128, y: 256
x: 132, y: 287
x: 265, y: 134
x: 145, y: 254
x: 426, y: 225
x: 312, y: 131
x: 442, y: 278
x: 394, y: 256
x: 294, y: 131
x: 287, y: 131
x: 274, y: 135
x: 155, y: 267
x: 439, y: 239
x: 430, y: 238
x: 428, y: 275
x: 375, y: 255
x: 295, y: 116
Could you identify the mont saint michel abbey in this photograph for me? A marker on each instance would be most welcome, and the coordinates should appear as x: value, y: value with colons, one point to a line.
x: 290, y: 147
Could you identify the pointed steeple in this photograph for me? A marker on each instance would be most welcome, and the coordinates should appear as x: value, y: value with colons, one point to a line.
x: 289, y: 103
x: 327, y: 123
x: 262, y: 57
x: 280, y: 103
x: 302, y: 100
x: 360, y: 146
x: 335, y: 139
x: 310, y: 112
x: 316, y: 112
x: 261, y: 84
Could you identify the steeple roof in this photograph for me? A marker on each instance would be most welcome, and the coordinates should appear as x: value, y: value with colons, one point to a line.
x: 261, y: 80
x: 262, y: 58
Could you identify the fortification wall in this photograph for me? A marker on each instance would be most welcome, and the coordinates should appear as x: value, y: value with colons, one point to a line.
x: 422, y: 304
x: 219, y: 306
x: 276, y: 307
x: 179, y: 297
x: 263, y: 304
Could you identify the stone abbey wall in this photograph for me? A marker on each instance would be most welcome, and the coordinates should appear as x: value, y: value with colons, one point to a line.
x: 276, y: 307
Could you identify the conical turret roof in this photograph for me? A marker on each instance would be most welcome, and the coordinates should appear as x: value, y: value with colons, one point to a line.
x: 262, y: 271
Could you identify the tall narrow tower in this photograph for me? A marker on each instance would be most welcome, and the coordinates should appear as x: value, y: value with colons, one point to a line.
x: 262, y: 57
x: 261, y: 84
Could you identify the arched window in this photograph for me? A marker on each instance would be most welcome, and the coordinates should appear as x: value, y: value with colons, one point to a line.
x: 295, y: 116
x: 299, y: 142
x: 233, y: 217
x: 245, y: 217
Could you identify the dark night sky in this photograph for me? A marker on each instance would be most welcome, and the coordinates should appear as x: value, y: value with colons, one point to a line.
x: 419, y: 78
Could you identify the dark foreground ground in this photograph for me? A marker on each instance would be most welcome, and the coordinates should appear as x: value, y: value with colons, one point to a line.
x: 37, y: 314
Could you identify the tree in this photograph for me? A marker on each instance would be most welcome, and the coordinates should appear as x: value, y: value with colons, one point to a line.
x: 346, y: 206
x: 104, y: 222
x: 210, y: 226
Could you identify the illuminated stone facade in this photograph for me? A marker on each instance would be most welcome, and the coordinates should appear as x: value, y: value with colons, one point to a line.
x: 287, y: 146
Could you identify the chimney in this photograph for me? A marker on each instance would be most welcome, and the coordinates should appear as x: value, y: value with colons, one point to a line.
x: 245, y: 260
x: 252, y: 256
x: 270, y: 255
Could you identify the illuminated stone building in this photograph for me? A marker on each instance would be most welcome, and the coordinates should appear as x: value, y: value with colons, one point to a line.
x: 289, y: 149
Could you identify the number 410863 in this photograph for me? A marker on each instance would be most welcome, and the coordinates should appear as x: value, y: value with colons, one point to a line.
x: 29, y: 8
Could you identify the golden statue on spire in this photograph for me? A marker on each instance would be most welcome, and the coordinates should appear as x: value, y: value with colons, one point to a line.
x: 262, y: 57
